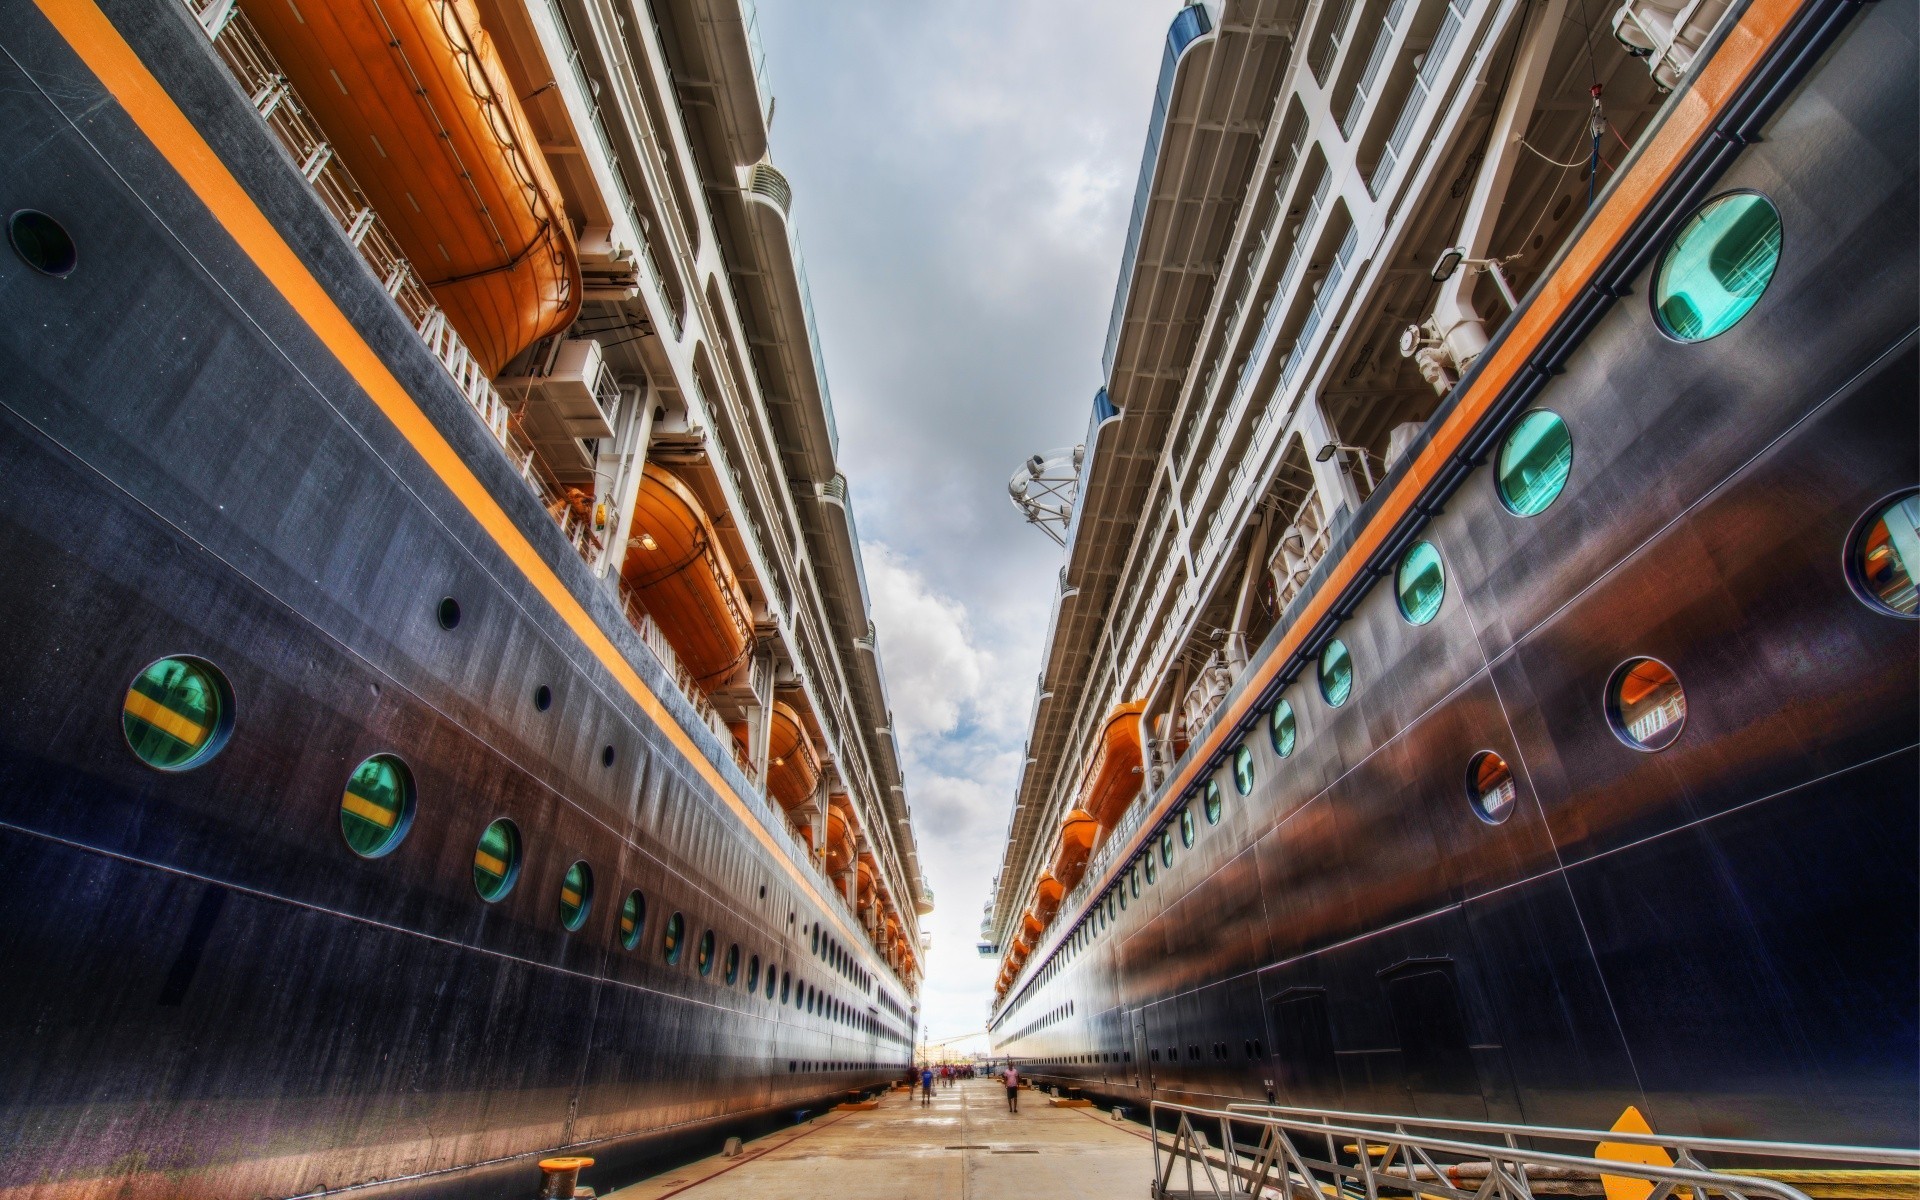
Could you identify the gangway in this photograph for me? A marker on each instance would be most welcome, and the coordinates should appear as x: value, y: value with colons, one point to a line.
x: 1257, y: 1150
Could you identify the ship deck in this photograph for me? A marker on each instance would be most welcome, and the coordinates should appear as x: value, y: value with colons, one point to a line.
x: 965, y: 1144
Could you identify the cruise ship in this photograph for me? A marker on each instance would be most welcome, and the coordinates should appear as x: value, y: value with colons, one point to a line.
x: 443, y: 720
x: 1482, y: 681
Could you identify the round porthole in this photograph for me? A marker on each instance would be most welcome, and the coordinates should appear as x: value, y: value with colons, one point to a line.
x: 1210, y: 802
x: 1243, y: 770
x: 703, y: 958
x: 1133, y: 880
x: 1883, y: 555
x: 1717, y: 268
x: 1186, y: 827
x: 576, y: 895
x: 633, y: 919
x: 542, y: 698
x: 496, y: 860
x: 753, y: 973
x: 1282, y: 729
x: 1533, y: 463
x: 42, y: 243
x: 732, y: 971
x: 1646, y: 705
x: 1146, y: 861
x: 177, y: 713
x: 1490, y: 787
x: 1420, y: 583
x: 448, y: 613
x: 377, y: 806
x: 1122, y: 893
x: 816, y: 939
x: 773, y: 978
x: 1336, y: 673
x: 673, y: 943
x: 606, y: 756
x: 1166, y: 848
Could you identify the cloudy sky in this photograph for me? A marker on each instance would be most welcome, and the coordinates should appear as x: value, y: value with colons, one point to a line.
x: 962, y: 171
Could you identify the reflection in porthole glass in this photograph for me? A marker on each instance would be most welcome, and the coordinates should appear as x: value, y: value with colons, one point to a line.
x: 576, y: 895
x: 1885, y: 555
x: 1421, y: 583
x: 1645, y: 704
x: 1242, y: 770
x: 496, y: 860
x: 1186, y: 826
x: 1534, y: 463
x: 633, y: 919
x: 177, y: 713
x: 377, y: 806
x: 1490, y: 787
x: 1166, y: 848
x: 1336, y: 673
x: 1283, y: 729
x: 673, y: 942
x: 1717, y: 267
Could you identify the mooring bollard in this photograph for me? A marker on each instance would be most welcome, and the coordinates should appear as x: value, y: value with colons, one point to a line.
x: 560, y: 1179
x: 732, y: 1148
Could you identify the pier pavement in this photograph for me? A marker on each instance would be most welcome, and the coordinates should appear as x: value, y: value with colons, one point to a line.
x: 966, y: 1146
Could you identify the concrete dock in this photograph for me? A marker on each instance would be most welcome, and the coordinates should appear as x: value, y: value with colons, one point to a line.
x: 966, y: 1146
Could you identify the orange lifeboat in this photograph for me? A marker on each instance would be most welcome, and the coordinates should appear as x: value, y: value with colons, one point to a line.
x: 840, y: 827
x: 1046, y: 896
x: 416, y: 103
x: 1113, y: 777
x: 679, y: 574
x: 793, y: 769
x: 1076, y: 842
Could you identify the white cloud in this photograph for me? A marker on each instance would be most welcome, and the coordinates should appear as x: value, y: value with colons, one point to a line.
x: 934, y: 671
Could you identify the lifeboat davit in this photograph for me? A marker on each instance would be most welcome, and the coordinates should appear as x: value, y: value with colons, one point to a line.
x: 1113, y: 777
x: 413, y: 98
x: 678, y: 572
x: 1077, y: 830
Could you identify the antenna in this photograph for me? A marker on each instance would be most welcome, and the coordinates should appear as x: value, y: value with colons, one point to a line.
x: 1045, y: 489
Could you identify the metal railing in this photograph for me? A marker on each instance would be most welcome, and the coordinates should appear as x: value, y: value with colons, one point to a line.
x: 1317, y: 1154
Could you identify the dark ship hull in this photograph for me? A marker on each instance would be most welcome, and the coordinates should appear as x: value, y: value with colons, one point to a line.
x: 209, y: 449
x: 1722, y: 933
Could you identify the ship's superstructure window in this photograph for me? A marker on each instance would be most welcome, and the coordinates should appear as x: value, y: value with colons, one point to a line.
x: 1645, y: 704
x: 1490, y: 787
x: 1715, y: 271
x: 448, y: 613
x: 732, y: 972
x: 496, y: 860
x: 1421, y: 583
x: 1282, y: 729
x: 673, y: 943
x: 177, y: 713
x: 1534, y: 461
x: 1166, y: 848
x: 377, y: 806
x: 1186, y: 825
x: 1885, y: 555
x: 1210, y: 803
x: 576, y: 895
x: 1243, y: 770
x: 633, y: 919
x: 42, y: 243
x: 1336, y: 673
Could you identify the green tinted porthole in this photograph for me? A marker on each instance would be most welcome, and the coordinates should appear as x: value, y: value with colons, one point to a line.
x: 377, y: 806
x: 496, y: 860
x: 177, y: 713
x: 1421, y: 583
x: 1133, y: 880
x: 1146, y: 860
x: 1243, y: 770
x: 732, y: 971
x: 1885, y: 555
x: 1336, y: 673
x: 1282, y: 729
x: 576, y: 895
x: 1210, y: 802
x: 1166, y: 848
x: 1186, y: 827
x: 1717, y: 268
x: 673, y: 943
x: 773, y: 978
x: 1534, y: 462
x: 633, y: 919
x: 703, y: 958
x: 753, y: 973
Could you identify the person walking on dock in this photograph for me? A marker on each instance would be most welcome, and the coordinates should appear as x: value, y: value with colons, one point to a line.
x: 926, y: 1086
x: 1013, y: 1088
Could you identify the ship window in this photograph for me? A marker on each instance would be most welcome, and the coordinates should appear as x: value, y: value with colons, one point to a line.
x: 576, y: 895
x: 1645, y: 704
x: 177, y: 713
x: 542, y: 698
x: 1885, y: 554
x: 1186, y: 826
x: 1242, y: 770
x: 1146, y: 860
x: 606, y: 756
x: 449, y: 613
x: 1421, y: 583
x: 633, y: 919
x: 772, y: 979
x: 1110, y: 903
x: 1282, y: 729
x: 673, y: 943
x: 1717, y: 268
x: 1336, y: 673
x: 1533, y: 463
x: 1166, y: 848
x: 1211, y: 803
x: 786, y: 987
x: 42, y: 243
x: 496, y: 860
x: 733, y: 964
x: 1490, y: 787
x: 816, y: 939
x: 1133, y: 880
x: 377, y: 806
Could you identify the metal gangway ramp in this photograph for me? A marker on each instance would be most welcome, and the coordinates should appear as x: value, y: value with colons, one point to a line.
x: 1269, y: 1151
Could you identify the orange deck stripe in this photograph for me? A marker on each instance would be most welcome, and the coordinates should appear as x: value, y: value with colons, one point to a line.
x: 1744, y: 48
x: 99, y: 45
